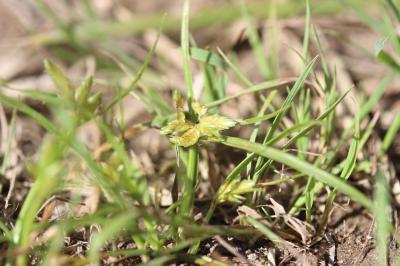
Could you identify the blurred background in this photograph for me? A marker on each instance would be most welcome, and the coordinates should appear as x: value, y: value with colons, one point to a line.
x: 87, y: 37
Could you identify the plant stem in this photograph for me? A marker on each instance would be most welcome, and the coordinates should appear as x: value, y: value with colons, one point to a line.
x: 193, y: 157
x: 190, y: 181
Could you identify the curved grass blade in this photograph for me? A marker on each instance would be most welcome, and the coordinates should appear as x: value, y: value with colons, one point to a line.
x: 299, y: 165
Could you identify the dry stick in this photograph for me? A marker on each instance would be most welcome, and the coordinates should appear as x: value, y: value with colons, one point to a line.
x: 12, y: 184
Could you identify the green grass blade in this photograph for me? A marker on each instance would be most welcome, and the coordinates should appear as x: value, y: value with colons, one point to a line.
x: 350, y: 161
x: 187, y: 69
x: 265, y: 230
x: 307, y: 30
x: 381, y: 213
x: 390, y: 134
x: 206, y: 57
x: 258, y: 119
x: 299, y: 165
x: 289, y: 99
x: 285, y: 106
x: 394, y: 9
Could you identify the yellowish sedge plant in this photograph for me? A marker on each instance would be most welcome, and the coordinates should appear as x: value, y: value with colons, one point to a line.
x: 184, y: 132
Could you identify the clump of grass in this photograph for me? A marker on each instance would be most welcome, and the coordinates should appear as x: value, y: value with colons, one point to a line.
x: 127, y: 211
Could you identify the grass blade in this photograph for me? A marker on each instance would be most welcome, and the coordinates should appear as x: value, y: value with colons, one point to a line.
x: 381, y: 213
x: 390, y: 135
x: 301, y: 166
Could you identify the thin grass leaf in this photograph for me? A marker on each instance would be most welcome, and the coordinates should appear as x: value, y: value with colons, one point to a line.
x: 309, y: 197
x: 258, y: 119
x: 6, y: 231
x: 289, y: 99
x: 381, y: 213
x: 390, y: 135
x: 307, y: 27
x: 347, y: 166
x: 266, y: 103
x: 350, y: 161
x: 394, y: 9
x: 265, y: 230
x: 286, y: 105
x: 186, y: 51
x: 206, y: 56
x: 385, y: 57
x: 307, y: 127
x: 299, y: 165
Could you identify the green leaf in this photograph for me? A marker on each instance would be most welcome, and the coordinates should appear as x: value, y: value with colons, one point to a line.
x: 265, y: 230
x: 390, y: 134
